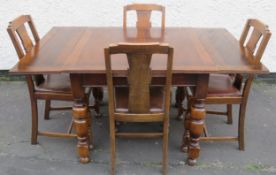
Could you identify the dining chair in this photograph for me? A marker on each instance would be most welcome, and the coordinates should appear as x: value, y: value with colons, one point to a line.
x: 144, y: 14
x: 139, y: 101
x: 232, y: 89
x: 41, y: 87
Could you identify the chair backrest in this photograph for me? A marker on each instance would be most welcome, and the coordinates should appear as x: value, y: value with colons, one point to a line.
x: 22, y: 41
x: 20, y: 36
x: 254, y: 44
x: 139, y: 74
x: 143, y: 14
x: 257, y: 41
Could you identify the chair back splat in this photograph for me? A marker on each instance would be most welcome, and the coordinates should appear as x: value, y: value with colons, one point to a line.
x: 23, y: 42
x: 144, y: 14
x: 254, y: 44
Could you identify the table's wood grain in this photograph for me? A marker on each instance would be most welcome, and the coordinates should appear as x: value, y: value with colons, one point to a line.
x: 80, y: 50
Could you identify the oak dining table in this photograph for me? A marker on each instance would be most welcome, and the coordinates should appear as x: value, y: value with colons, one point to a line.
x: 79, y: 52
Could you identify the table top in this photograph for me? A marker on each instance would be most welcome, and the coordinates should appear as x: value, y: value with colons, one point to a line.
x: 80, y: 50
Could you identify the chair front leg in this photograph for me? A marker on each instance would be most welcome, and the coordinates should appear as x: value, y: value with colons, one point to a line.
x: 241, y: 126
x: 90, y: 131
x: 179, y: 98
x: 98, y: 96
x: 165, y: 146
x: 34, y: 121
x: 112, y: 144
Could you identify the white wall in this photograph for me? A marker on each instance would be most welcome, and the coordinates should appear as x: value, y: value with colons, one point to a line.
x: 230, y: 14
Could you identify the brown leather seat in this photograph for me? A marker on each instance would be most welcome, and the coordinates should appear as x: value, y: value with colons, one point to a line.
x: 222, y: 85
x: 55, y: 83
x: 156, y: 99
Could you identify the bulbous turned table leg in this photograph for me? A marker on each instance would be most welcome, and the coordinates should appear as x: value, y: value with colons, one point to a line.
x: 80, y: 115
x: 196, y: 126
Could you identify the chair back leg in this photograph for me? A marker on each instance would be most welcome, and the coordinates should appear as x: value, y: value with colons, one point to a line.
x: 186, y: 124
x: 47, y: 109
x: 229, y: 114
